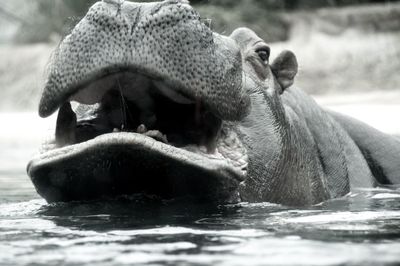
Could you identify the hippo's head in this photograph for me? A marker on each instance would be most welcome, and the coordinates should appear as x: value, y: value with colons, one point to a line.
x: 160, y: 98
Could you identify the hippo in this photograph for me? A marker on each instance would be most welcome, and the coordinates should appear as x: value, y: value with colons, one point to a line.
x: 151, y: 101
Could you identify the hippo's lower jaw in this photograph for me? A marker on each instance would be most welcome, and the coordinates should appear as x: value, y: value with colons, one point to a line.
x: 134, y: 134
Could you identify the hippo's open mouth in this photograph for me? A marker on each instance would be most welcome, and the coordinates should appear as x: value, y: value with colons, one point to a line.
x: 131, y: 133
x: 158, y: 97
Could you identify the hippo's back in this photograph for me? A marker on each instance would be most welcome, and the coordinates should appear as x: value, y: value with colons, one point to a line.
x: 381, y: 151
x: 351, y: 154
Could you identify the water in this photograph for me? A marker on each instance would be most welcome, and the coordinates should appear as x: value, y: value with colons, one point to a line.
x: 360, y: 229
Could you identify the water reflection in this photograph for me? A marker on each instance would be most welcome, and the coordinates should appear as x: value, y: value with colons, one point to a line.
x: 132, y: 212
x: 362, y: 227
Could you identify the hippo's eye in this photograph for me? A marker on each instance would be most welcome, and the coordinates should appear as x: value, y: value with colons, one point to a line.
x: 264, y: 53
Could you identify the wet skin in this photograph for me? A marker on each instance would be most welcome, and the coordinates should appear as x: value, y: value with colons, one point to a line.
x: 169, y: 108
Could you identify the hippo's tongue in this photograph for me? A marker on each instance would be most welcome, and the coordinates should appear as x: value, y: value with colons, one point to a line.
x: 164, y: 41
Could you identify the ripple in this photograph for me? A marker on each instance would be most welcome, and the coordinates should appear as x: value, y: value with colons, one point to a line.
x: 277, y: 251
x: 21, y: 208
x: 345, y: 217
x: 340, y: 232
x: 182, y: 230
x: 386, y: 196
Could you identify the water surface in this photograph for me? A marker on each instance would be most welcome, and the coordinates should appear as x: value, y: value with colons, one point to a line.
x: 362, y: 228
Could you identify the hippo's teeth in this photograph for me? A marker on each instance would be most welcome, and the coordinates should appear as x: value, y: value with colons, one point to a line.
x: 212, y: 146
x: 66, y: 126
x: 157, y: 135
x: 141, y: 129
x: 148, y: 118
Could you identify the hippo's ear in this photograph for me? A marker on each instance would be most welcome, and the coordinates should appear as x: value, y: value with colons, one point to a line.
x: 284, y: 68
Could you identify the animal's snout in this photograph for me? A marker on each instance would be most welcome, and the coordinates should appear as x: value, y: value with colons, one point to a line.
x: 165, y: 41
x: 160, y: 12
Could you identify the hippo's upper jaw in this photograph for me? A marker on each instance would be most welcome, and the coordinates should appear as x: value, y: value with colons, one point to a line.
x: 158, y: 95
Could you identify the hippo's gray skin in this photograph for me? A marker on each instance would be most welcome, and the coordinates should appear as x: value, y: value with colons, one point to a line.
x: 169, y: 108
